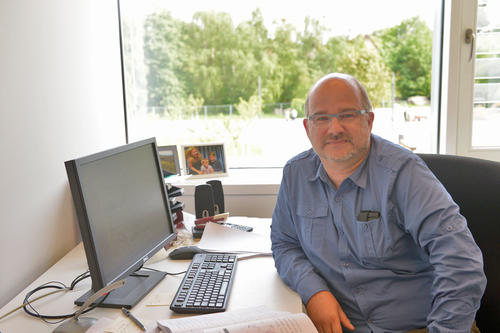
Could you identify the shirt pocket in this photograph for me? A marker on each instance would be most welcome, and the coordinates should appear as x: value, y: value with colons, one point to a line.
x: 370, y: 238
x: 314, y: 219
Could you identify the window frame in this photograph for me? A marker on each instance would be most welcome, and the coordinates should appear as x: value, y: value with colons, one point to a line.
x: 458, y: 85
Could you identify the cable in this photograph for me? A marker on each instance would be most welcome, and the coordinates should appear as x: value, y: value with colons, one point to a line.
x: 78, y: 279
x: 36, y: 299
x: 27, y: 303
x: 30, y: 309
x: 45, y: 318
x: 59, y: 286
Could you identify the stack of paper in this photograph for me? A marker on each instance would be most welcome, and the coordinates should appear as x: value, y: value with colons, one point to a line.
x: 220, y: 238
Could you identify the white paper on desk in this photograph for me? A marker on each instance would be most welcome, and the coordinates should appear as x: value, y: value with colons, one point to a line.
x: 280, y: 323
x: 221, y: 238
x: 200, y: 323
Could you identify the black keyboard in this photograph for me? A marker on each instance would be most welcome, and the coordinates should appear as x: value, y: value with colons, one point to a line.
x: 206, y: 285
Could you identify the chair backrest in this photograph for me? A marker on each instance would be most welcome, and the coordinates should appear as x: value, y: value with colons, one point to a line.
x: 474, y: 185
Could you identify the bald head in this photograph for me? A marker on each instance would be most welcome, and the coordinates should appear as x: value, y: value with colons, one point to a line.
x: 349, y: 80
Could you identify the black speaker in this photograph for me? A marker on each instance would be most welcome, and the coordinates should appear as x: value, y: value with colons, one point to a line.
x: 204, y: 201
x: 218, y: 196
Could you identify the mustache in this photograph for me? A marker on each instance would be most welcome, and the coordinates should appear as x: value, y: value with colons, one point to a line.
x: 337, y: 137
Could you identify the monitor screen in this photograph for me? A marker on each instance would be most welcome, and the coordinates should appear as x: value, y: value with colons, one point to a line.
x: 124, y: 217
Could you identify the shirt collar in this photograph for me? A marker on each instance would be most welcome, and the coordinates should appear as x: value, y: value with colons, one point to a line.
x: 319, y: 171
x: 360, y: 175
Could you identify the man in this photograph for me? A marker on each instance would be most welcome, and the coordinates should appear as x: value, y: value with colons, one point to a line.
x: 365, y: 233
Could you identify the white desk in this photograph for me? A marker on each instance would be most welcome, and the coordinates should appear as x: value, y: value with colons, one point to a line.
x: 256, y: 283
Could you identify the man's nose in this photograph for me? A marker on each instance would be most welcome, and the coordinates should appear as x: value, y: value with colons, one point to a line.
x: 335, y: 126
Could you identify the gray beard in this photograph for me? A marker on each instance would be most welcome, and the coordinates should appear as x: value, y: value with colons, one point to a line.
x: 340, y: 159
x: 344, y: 158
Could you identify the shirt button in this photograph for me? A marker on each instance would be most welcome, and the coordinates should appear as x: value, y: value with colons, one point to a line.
x: 449, y: 228
x: 346, y: 265
x: 309, y: 212
x: 337, y: 199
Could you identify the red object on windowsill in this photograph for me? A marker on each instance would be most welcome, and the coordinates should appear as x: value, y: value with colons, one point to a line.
x: 201, y: 222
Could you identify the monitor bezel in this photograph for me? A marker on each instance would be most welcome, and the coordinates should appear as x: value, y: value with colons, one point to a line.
x: 86, y: 230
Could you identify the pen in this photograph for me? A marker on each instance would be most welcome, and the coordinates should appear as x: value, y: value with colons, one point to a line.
x: 134, y: 319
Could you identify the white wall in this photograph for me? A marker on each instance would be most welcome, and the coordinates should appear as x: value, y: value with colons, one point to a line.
x: 60, y: 98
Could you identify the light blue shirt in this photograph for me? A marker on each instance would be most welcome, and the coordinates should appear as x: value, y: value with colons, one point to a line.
x: 415, y: 266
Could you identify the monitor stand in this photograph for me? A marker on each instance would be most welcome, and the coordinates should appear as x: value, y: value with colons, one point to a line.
x: 137, y: 285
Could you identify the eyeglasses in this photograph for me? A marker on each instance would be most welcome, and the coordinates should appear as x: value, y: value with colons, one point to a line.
x: 323, y: 119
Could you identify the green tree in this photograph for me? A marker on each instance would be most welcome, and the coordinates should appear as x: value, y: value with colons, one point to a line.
x: 328, y: 57
x: 292, y: 67
x: 135, y: 68
x: 225, y: 63
x: 210, y: 61
x: 163, y: 54
x: 407, y: 51
x: 298, y: 104
x: 253, y: 37
x: 360, y: 59
x: 312, y: 49
x: 250, y: 109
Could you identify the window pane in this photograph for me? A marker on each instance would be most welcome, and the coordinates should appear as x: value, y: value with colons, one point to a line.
x: 238, y: 73
x: 486, y: 112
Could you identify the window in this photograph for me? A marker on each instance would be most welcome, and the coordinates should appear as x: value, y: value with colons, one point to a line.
x: 238, y: 72
x: 472, y: 96
x: 486, y: 100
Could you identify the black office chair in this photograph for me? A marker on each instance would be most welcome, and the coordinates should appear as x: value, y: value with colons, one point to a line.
x: 474, y: 185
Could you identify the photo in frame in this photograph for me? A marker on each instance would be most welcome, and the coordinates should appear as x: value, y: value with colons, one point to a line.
x: 204, y: 160
x: 169, y: 160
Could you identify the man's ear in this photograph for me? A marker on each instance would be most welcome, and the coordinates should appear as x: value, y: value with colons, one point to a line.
x: 371, y: 116
x: 306, y: 125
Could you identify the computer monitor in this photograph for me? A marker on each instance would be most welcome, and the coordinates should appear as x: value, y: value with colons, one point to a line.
x: 124, y: 216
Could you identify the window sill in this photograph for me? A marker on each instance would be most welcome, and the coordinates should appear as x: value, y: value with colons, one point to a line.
x: 264, y: 181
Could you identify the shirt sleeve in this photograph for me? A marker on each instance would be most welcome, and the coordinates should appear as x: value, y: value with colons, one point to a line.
x: 433, y: 219
x: 291, y: 262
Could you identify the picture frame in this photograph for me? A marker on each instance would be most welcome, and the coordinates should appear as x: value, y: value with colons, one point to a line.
x: 204, y: 160
x: 169, y: 160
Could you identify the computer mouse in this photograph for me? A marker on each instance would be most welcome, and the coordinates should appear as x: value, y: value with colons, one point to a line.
x: 185, y: 252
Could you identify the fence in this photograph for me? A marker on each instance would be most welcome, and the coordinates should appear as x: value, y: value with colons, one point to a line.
x: 228, y: 110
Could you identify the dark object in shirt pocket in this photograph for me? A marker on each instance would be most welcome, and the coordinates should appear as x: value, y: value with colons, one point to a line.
x: 367, y: 215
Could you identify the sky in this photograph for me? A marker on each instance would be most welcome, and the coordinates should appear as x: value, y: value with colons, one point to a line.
x: 342, y: 17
